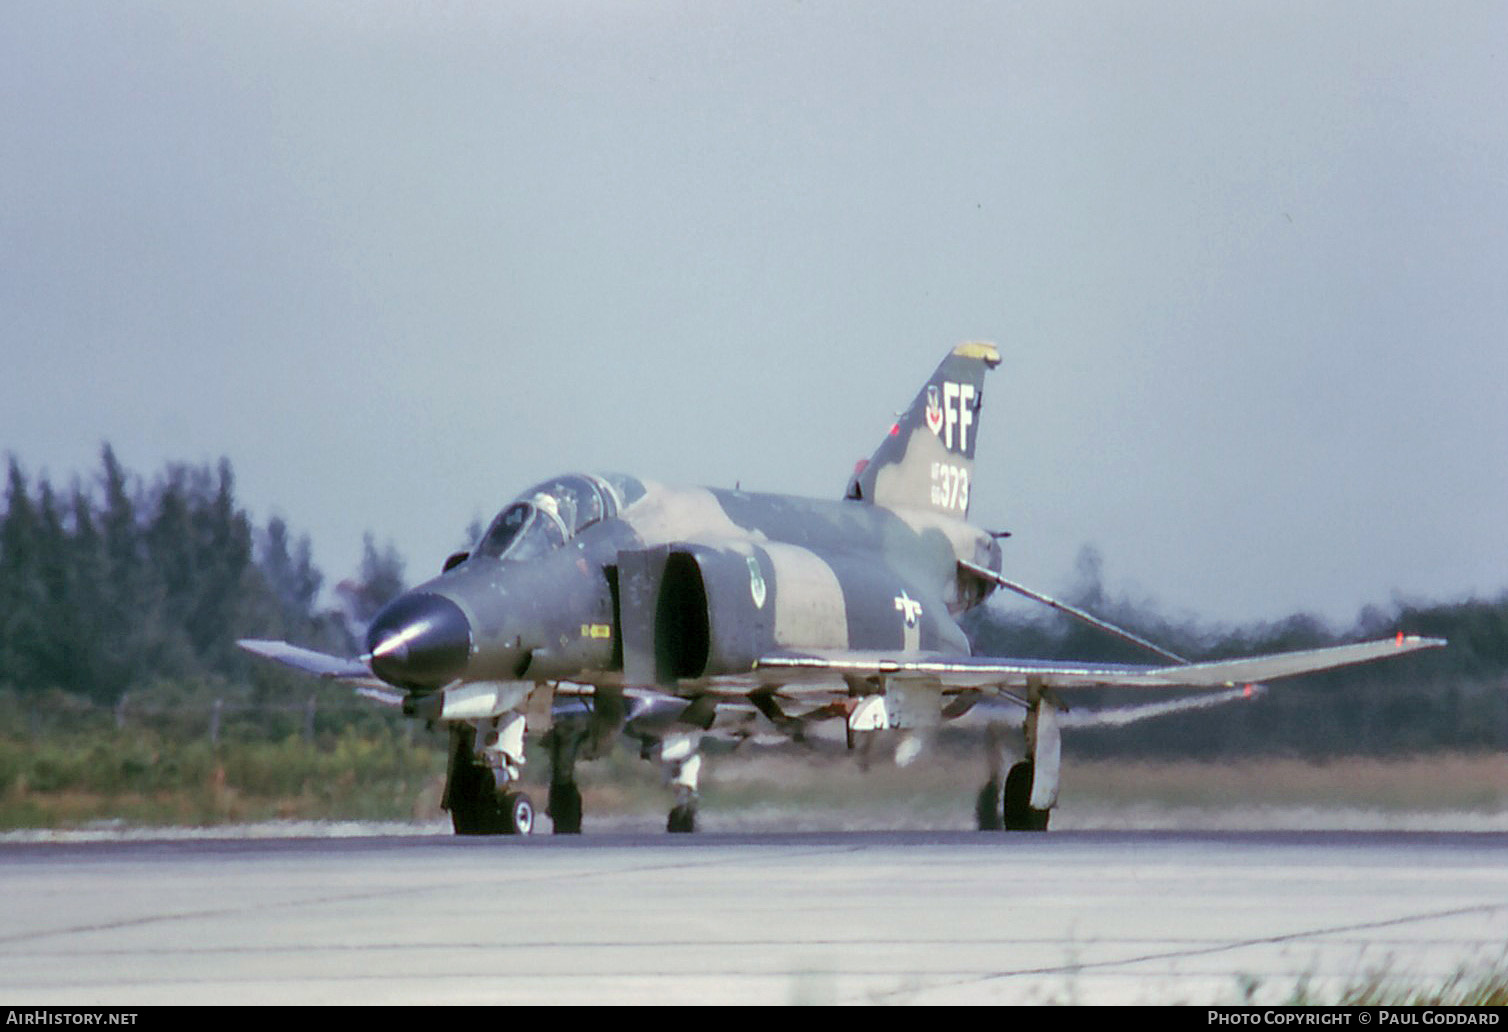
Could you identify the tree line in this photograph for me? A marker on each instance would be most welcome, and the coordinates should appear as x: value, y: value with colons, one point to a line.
x: 1451, y: 698
x: 119, y: 586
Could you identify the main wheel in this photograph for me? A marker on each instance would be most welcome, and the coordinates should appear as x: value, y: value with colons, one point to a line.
x: 682, y: 820
x: 565, y: 807
x: 987, y: 807
x: 1019, y: 815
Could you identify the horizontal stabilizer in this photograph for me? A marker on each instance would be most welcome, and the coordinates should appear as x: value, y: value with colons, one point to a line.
x: 1010, y: 709
x: 1120, y: 716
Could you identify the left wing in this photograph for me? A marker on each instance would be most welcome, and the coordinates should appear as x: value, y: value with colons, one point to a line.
x: 965, y: 672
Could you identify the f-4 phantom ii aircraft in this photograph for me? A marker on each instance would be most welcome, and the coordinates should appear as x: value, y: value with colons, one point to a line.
x: 595, y: 607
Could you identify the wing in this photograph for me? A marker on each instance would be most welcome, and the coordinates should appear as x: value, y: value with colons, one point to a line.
x: 331, y: 668
x: 818, y: 681
x: 822, y: 676
x: 966, y: 672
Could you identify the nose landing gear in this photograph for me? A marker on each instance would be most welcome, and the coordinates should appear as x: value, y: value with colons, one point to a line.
x: 477, y: 794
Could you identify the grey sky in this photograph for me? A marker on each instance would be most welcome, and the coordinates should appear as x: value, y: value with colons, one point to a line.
x: 1247, y: 262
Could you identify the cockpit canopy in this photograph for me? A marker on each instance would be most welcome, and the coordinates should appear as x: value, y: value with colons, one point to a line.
x: 549, y: 514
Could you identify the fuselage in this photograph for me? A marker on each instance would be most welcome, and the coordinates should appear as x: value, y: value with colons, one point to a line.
x: 611, y: 579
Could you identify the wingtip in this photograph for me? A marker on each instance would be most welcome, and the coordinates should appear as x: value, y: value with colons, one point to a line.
x: 1416, y: 641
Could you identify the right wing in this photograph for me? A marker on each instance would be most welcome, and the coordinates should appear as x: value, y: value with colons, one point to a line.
x: 330, y: 668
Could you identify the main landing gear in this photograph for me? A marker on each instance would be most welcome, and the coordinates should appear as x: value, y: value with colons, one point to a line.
x: 682, y: 765
x: 478, y: 805
x: 565, y: 741
x: 1005, y: 801
x: 1007, y: 807
x: 486, y: 762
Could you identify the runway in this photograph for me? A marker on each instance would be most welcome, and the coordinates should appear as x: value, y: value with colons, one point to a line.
x: 950, y: 917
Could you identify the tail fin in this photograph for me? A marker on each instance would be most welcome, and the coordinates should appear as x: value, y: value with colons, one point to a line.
x: 927, y: 460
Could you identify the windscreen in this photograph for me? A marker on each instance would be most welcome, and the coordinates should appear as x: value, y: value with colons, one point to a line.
x: 544, y: 517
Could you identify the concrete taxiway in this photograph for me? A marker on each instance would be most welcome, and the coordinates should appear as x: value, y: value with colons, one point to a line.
x: 1127, y: 917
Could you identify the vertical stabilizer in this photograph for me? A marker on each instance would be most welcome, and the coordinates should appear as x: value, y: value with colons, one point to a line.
x: 927, y: 459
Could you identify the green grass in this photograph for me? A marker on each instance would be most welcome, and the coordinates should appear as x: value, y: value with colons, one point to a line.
x: 1464, y: 782
x: 1445, y: 782
x: 142, y: 777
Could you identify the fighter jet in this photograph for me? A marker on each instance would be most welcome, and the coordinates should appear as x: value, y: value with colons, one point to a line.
x: 596, y: 608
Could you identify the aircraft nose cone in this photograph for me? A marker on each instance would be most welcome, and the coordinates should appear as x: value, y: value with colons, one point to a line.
x: 419, y: 641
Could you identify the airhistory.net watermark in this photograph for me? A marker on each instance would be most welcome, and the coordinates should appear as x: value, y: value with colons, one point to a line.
x: 44, y: 1016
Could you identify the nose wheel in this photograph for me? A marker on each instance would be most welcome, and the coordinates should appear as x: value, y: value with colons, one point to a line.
x: 477, y: 808
x: 518, y: 814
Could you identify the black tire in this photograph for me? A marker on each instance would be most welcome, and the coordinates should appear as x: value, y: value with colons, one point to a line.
x: 682, y: 820
x: 1019, y: 815
x: 565, y: 808
x: 471, y: 794
x: 987, y: 807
